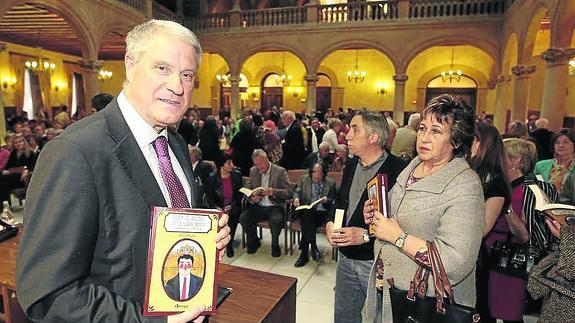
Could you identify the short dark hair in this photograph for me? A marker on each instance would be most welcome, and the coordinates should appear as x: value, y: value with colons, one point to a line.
x: 324, y: 168
x: 567, y: 132
x: 186, y: 256
x: 452, y: 110
x: 100, y: 101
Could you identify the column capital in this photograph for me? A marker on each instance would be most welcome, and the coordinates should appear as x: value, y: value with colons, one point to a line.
x: 90, y: 64
x: 400, y: 78
x: 523, y: 70
x: 234, y: 79
x: 311, y: 78
x: 554, y: 56
x: 3, y: 47
x: 502, y: 78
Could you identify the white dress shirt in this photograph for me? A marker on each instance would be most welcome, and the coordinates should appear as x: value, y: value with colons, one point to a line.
x: 145, y: 136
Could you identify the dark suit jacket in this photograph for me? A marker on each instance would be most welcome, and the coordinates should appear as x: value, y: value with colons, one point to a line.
x: 293, y: 148
x: 543, y: 138
x: 83, y: 255
x: 319, y: 135
x: 278, y: 180
x: 303, y: 191
x: 312, y: 159
x: 173, y: 286
x: 203, y: 171
x: 392, y: 166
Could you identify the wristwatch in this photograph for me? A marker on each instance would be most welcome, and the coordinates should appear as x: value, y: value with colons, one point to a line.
x: 365, y: 236
x: 400, y: 241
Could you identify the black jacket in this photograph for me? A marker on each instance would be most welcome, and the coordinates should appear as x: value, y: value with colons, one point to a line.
x: 392, y: 167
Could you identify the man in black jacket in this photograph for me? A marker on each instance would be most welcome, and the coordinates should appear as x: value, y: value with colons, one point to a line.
x: 366, y: 139
x: 314, y: 135
x: 293, y: 146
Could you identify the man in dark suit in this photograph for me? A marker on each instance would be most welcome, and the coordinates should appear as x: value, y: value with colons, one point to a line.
x: 542, y: 136
x: 83, y: 255
x: 293, y: 146
x: 184, y: 285
x: 202, y: 169
x: 314, y: 135
x: 320, y: 156
x: 269, y: 205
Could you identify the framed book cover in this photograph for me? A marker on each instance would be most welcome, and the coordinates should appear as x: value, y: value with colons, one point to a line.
x: 377, y: 189
x: 182, y: 269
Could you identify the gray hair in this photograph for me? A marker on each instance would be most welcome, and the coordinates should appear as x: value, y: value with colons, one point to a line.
x: 259, y: 153
x: 289, y: 114
x: 375, y: 122
x: 149, y: 29
x: 195, y: 150
x: 323, y: 144
x: 541, y: 123
x: 414, y: 120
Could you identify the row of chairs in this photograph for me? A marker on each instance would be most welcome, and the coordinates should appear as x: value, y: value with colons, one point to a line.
x: 292, y: 227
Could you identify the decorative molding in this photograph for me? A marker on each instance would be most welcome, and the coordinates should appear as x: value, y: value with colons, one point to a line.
x: 502, y: 78
x: 234, y: 80
x: 558, y: 55
x: 93, y: 65
x: 400, y: 78
x: 3, y: 47
x: 311, y: 79
x: 523, y: 70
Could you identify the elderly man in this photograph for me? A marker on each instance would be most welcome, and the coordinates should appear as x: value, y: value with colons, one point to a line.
x: 314, y: 135
x: 267, y: 205
x: 83, y: 255
x: 321, y: 156
x: 293, y: 146
x: 404, y: 142
x: 366, y: 138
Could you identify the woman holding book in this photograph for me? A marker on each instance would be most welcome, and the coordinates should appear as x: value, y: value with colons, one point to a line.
x: 488, y: 160
x: 438, y: 198
x: 311, y: 188
x: 557, y: 169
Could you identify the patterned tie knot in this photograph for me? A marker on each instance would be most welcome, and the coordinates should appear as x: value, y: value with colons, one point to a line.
x: 161, y: 146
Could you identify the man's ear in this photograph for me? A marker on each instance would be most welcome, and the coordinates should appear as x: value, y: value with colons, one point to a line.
x: 373, y: 138
x: 130, y: 63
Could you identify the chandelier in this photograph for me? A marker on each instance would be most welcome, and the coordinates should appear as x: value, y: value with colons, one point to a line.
x: 284, y: 79
x: 451, y: 75
x: 40, y: 65
x: 224, y: 79
x: 105, y: 75
x: 356, y: 75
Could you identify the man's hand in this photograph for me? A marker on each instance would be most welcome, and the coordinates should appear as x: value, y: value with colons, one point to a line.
x: 368, y: 209
x: 324, y: 199
x: 256, y: 198
x: 329, y: 232
x: 555, y: 227
x: 269, y: 191
x: 295, y: 202
x: 223, y: 236
x: 349, y: 236
x: 188, y: 316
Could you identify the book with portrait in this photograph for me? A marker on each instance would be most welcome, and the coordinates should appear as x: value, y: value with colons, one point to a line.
x: 182, y: 269
x: 377, y: 189
x: 562, y: 213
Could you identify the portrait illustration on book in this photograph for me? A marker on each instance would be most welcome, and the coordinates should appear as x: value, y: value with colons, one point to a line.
x: 184, y: 270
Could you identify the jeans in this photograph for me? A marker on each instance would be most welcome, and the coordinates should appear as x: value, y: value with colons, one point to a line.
x: 351, y: 281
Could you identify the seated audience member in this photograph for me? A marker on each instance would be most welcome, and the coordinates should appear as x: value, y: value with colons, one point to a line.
x: 226, y: 195
x: 543, y: 137
x: 341, y: 155
x: 556, y: 170
x: 404, y: 142
x: 311, y: 188
x: 321, y: 156
x: 5, y: 151
x: 62, y: 118
x: 100, y: 101
x: 331, y: 135
x: 20, y: 163
x: 34, y: 143
x: 268, y: 205
x: 202, y: 169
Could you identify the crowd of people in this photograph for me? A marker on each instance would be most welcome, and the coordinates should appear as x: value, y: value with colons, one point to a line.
x: 455, y: 181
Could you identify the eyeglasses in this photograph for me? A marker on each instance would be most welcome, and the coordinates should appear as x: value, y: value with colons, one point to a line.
x: 185, y: 266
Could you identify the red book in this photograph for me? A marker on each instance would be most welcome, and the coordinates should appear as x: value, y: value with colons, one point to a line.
x: 377, y: 191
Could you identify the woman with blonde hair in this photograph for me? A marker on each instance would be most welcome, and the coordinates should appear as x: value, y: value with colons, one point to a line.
x: 20, y: 163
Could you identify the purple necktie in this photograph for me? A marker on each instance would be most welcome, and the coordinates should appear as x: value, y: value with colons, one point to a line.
x: 175, y: 188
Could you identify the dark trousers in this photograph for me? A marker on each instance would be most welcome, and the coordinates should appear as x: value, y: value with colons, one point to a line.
x: 254, y: 214
x: 9, y: 183
x: 234, y: 220
x: 310, y: 220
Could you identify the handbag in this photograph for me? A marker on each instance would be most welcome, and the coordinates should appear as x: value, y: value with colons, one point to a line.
x: 513, y: 259
x: 413, y: 306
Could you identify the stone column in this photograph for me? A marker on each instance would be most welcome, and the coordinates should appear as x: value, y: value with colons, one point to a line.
x: 311, y: 80
x: 501, y: 92
x: 399, y: 97
x: 555, y: 85
x: 90, y: 70
x: 3, y: 47
x: 235, y: 95
x: 522, y: 74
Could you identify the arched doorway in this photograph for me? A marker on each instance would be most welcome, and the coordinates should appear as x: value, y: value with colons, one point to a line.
x: 460, y: 85
x: 272, y: 91
x: 323, y: 93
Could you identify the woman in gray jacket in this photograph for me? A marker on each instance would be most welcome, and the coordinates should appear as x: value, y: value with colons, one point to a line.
x: 436, y: 198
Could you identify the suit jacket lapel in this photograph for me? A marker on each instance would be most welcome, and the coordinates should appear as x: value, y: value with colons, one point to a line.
x: 183, y: 158
x: 131, y: 157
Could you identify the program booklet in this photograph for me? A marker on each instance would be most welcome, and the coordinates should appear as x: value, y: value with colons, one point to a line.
x: 559, y: 212
x: 377, y: 189
x: 182, y: 269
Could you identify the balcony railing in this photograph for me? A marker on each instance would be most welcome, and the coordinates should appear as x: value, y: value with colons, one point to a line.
x: 384, y: 10
x: 273, y: 17
x: 140, y: 5
x: 449, y: 8
x: 358, y: 11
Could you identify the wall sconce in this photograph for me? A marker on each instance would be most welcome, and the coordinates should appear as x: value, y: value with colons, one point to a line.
x: 224, y: 79
x: 382, y: 88
x: 294, y: 91
x: 9, y: 82
x: 253, y: 93
x: 105, y: 75
x: 572, y: 67
x: 59, y: 86
x: 40, y: 65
